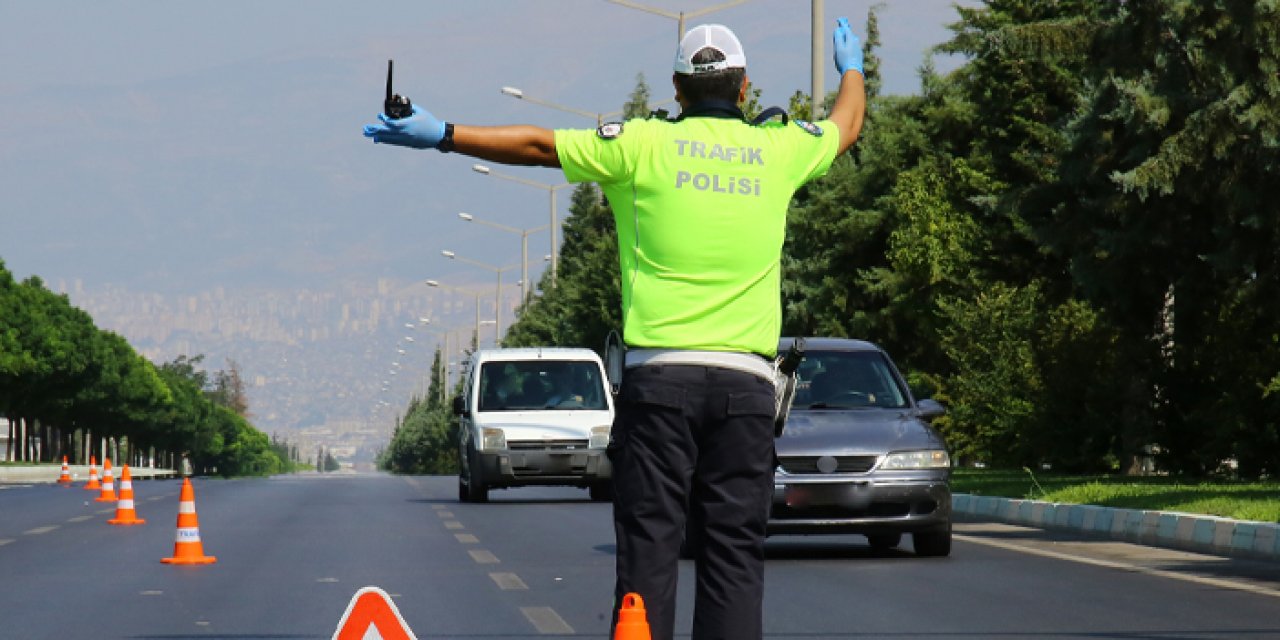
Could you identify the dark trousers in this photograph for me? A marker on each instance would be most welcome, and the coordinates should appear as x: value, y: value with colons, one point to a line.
x: 698, y: 442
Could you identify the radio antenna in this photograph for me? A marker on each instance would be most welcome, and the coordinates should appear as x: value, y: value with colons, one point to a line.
x: 390, y: 64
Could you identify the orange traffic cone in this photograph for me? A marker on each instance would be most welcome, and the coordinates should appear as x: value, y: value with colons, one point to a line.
x: 125, y: 513
x: 65, y: 478
x: 632, y: 624
x: 93, y: 474
x: 108, y: 484
x: 187, y: 548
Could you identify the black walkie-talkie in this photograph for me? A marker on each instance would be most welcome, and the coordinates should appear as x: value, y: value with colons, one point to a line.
x: 395, y: 106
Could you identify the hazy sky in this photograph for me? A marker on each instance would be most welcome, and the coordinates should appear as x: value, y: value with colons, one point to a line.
x: 175, y: 146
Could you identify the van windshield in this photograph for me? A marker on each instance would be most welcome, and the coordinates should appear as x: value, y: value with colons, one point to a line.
x: 524, y: 385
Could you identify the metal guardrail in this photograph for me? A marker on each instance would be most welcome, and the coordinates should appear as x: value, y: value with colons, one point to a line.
x: 47, y: 473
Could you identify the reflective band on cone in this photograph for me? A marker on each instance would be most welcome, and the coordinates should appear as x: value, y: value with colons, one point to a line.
x: 187, y: 548
x: 125, y: 513
x: 65, y: 478
x: 108, y: 483
x: 93, y: 474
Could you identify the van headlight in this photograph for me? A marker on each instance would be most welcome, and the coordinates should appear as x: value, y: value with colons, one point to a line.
x: 599, y: 437
x: 493, y: 439
x: 930, y: 459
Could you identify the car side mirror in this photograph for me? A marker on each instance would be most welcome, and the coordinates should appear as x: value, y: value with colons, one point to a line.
x: 930, y: 408
x: 459, y: 407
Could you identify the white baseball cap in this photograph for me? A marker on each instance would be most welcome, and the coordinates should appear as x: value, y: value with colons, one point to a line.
x: 715, y: 36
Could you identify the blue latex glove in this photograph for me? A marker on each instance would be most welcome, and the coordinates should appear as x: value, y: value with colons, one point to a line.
x: 420, y: 130
x: 847, y: 48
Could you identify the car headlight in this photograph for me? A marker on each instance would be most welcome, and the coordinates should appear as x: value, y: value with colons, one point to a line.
x: 929, y: 459
x: 493, y: 439
x: 599, y: 437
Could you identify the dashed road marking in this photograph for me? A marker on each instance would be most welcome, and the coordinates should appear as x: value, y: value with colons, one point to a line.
x: 151, y: 592
x: 483, y: 557
x: 445, y: 514
x: 80, y: 518
x: 3, y: 542
x: 453, y: 524
x: 509, y: 582
x: 546, y: 620
x: 466, y: 538
x: 39, y: 530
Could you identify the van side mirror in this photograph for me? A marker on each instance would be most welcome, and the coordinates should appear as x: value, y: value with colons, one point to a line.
x: 930, y: 408
x: 459, y: 407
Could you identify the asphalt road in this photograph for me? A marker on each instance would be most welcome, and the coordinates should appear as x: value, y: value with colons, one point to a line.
x: 538, y: 563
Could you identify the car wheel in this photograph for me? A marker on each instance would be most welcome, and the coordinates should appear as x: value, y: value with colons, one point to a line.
x: 932, y: 544
x: 474, y: 489
x: 601, y: 491
x: 884, y: 541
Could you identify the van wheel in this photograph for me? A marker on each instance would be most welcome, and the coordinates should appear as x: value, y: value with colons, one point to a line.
x: 932, y: 544
x: 471, y: 486
x: 601, y: 491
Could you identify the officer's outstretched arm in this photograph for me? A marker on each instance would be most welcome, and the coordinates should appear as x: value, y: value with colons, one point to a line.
x: 850, y: 106
x: 515, y: 144
x: 851, y: 100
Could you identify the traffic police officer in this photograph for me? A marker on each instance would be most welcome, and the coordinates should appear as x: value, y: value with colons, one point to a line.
x: 700, y: 204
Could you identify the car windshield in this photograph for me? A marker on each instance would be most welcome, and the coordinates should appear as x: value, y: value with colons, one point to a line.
x: 847, y: 379
x: 541, y: 385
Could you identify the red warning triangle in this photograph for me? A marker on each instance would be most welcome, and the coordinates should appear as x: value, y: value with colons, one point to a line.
x: 372, y: 616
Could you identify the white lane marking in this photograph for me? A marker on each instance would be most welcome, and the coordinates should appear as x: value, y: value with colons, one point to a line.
x: 453, y: 524
x: 326, y: 579
x: 466, y: 538
x: 4, y: 541
x: 151, y: 592
x: 437, y: 506
x: 80, y: 518
x: 1160, y: 573
x: 39, y: 530
x: 509, y: 582
x: 445, y: 514
x: 482, y: 556
x: 546, y: 620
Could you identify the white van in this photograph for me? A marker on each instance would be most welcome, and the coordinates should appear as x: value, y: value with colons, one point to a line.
x: 534, y: 416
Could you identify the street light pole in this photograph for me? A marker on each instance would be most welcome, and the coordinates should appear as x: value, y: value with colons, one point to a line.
x: 436, y: 283
x: 524, y: 248
x: 679, y: 17
x: 549, y: 188
x: 497, y: 296
x: 817, y: 90
x: 519, y: 94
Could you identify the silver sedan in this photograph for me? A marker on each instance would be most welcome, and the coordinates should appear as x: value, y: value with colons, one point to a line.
x: 858, y: 455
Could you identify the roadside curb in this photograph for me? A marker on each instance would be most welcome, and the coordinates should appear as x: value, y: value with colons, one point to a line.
x: 1184, y: 531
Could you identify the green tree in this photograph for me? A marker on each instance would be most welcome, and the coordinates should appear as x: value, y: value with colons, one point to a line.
x: 585, y: 304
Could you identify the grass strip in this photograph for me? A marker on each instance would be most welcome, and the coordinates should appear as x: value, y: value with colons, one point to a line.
x: 1257, y: 501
